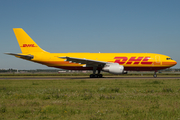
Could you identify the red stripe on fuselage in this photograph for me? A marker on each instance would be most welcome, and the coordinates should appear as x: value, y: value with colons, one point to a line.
x: 125, y: 68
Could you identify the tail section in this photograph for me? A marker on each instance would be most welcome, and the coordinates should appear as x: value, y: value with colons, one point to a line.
x: 26, y: 44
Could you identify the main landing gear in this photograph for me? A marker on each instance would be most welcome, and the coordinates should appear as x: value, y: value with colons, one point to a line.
x: 94, y: 75
x: 155, y: 75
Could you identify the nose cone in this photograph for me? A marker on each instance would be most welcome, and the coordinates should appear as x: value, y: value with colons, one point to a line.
x: 169, y: 63
x: 174, y: 63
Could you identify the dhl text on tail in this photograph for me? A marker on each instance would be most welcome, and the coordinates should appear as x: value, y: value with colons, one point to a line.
x: 115, y: 63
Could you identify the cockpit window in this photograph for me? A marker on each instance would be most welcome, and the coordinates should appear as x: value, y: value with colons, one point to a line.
x: 168, y: 58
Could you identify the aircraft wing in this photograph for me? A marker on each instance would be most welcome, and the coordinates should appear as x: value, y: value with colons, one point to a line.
x: 84, y: 61
x: 28, y: 57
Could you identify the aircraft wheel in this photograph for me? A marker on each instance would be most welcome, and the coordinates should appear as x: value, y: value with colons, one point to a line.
x: 91, y: 76
x: 155, y: 76
x: 100, y: 75
x: 96, y: 75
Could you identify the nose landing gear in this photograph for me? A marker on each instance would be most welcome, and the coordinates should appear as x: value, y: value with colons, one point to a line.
x: 155, y: 75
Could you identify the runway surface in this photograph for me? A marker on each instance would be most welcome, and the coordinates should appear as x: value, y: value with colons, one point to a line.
x: 77, y: 77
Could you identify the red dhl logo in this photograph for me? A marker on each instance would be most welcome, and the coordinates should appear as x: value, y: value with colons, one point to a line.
x: 28, y: 45
x: 133, y: 60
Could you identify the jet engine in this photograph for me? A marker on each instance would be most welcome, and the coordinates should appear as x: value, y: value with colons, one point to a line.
x: 114, y: 68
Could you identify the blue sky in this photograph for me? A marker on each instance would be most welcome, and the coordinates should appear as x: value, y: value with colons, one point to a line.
x: 106, y: 26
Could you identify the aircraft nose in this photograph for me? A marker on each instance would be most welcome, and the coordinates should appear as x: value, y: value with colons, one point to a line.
x: 174, y: 63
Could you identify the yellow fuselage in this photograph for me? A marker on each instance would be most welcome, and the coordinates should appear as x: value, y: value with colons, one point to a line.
x: 130, y: 61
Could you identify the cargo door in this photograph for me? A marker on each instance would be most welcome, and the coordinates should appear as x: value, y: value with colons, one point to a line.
x: 157, y: 60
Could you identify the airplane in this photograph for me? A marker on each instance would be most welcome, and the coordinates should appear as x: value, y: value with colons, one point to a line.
x: 115, y: 63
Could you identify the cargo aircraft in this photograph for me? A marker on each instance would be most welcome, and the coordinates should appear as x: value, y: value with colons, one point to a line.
x: 115, y: 63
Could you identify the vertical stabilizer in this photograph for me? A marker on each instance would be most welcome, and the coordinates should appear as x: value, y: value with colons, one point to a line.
x: 26, y: 44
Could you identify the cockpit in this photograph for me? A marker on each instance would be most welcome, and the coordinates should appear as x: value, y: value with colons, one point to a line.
x: 169, y: 59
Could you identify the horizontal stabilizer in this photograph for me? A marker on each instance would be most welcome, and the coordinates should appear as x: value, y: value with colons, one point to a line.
x: 27, y: 57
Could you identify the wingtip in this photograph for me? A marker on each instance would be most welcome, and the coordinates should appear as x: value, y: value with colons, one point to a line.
x: 7, y: 53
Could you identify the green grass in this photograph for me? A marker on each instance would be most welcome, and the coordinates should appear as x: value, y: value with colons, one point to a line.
x: 90, y: 99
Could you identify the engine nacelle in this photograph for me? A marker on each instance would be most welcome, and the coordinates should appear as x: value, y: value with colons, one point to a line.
x: 113, y: 68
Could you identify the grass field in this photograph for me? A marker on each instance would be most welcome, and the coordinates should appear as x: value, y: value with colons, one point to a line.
x: 90, y: 99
